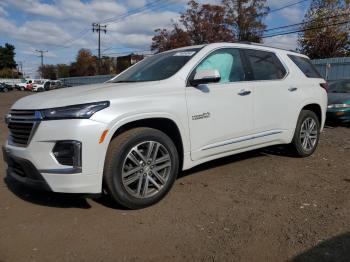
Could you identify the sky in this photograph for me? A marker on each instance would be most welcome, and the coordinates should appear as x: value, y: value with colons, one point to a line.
x: 62, y: 27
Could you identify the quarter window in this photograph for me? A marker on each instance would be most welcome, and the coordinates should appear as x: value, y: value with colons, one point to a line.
x: 227, y: 61
x: 305, y: 66
x: 265, y: 65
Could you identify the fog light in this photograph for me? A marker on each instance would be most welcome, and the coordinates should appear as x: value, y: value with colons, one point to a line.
x: 68, y: 153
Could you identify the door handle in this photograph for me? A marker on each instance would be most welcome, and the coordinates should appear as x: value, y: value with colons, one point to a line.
x: 244, y: 92
x: 292, y: 89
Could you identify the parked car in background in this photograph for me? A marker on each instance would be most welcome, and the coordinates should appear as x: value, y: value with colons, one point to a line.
x: 38, y: 86
x: 29, y: 86
x: 55, y: 84
x: 41, y: 85
x: 131, y: 136
x: 339, y: 102
x: 22, y: 86
x: 5, y: 87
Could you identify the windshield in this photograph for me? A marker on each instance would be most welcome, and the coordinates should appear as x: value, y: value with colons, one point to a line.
x: 340, y: 87
x: 157, y: 67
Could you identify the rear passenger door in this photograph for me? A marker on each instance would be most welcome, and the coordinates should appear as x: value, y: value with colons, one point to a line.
x: 275, y: 98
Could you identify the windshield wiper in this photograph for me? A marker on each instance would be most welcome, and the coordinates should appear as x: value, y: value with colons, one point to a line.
x: 125, y: 81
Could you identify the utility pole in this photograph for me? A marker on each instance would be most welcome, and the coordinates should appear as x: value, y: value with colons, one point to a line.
x: 20, y: 67
x: 98, y: 28
x: 42, y: 60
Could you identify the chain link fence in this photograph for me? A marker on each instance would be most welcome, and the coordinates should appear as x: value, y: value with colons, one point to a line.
x: 333, y: 68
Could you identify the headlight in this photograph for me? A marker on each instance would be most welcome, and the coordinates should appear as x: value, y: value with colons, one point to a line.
x: 83, y: 111
x: 339, y: 106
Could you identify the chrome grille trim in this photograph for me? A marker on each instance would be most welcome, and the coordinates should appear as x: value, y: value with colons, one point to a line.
x: 22, y: 125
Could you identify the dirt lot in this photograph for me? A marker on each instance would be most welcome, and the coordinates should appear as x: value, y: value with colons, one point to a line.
x: 258, y: 206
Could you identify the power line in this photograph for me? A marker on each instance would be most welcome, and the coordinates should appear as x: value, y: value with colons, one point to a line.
x: 133, y: 11
x: 306, y: 29
x: 304, y: 23
x: 286, y: 6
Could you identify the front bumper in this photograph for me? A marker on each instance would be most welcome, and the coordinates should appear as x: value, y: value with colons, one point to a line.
x: 24, y: 172
x: 45, y: 172
x: 341, y: 115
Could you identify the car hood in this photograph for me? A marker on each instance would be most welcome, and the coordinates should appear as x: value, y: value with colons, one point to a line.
x: 83, y: 94
x: 338, y: 98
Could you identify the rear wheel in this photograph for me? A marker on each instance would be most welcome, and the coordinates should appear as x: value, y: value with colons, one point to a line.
x: 5, y: 90
x: 307, y: 134
x: 141, y: 167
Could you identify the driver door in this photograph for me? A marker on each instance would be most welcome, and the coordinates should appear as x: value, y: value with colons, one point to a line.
x: 220, y: 114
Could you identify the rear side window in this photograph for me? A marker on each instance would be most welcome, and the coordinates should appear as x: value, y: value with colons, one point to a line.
x: 265, y: 65
x: 305, y: 66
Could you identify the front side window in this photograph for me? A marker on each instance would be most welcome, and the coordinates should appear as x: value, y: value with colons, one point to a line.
x: 227, y: 61
x: 265, y: 65
x: 157, y: 67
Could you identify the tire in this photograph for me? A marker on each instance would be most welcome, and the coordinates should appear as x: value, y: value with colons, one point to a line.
x: 130, y: 178
x: 307, y: 134
x: 5, y: 90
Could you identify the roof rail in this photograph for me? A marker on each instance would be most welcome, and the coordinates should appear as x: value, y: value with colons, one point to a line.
x: 259, y: 44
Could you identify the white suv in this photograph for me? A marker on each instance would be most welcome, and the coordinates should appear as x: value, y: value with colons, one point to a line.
x: 132, y: 135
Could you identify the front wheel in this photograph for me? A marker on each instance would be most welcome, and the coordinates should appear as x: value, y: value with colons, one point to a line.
x: 307, y: 134
x: 141, y: 167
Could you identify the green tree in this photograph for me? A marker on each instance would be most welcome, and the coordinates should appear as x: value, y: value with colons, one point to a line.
x: 245, y: 18
x: 48, y: 72
x: 199, y: 24
x: 85, y: 65
x: 326, y: 33
x: 7, y: 56
x: 63, y: 70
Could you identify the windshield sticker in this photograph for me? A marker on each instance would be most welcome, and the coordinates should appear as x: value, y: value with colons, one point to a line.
x: 185, y: 53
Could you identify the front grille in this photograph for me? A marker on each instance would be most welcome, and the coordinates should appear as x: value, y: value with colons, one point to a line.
x: 21, y: 125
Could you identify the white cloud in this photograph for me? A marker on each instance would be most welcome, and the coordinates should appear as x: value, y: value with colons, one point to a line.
x: 35, y: 7
x: 293, y: 14
x: 36, y: 32
x: 144, y: 23
x: 136, y: 3
x: 93, y: 11
x: 6, y: 26
x: 3, y: 12
x: 284, y: 41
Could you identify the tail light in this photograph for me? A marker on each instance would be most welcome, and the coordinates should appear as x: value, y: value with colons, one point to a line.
x: 324, y: 86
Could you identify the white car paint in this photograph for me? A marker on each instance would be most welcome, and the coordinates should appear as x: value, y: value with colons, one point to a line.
x: 228, y: 123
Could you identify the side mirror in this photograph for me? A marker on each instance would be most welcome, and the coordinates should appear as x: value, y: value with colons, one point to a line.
x: 205, y: 77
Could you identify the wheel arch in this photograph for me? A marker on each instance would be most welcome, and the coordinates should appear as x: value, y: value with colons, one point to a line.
x: 316, y: 108
x: 161, y: 123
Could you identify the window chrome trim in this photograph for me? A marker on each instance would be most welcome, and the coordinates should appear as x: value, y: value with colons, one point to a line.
x: 241, y: 49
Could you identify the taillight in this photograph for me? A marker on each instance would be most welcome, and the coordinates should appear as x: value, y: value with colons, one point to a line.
x: 324, y: 86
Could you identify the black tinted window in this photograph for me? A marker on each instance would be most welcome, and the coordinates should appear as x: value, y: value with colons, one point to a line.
x: 265, y: 65
x: 305, y: 66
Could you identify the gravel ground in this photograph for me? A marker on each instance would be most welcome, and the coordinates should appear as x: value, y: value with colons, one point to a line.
x: 258, y: 206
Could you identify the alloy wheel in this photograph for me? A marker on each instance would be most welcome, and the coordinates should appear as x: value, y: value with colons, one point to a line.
x: 146, y: 169
x: 308, y: 134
